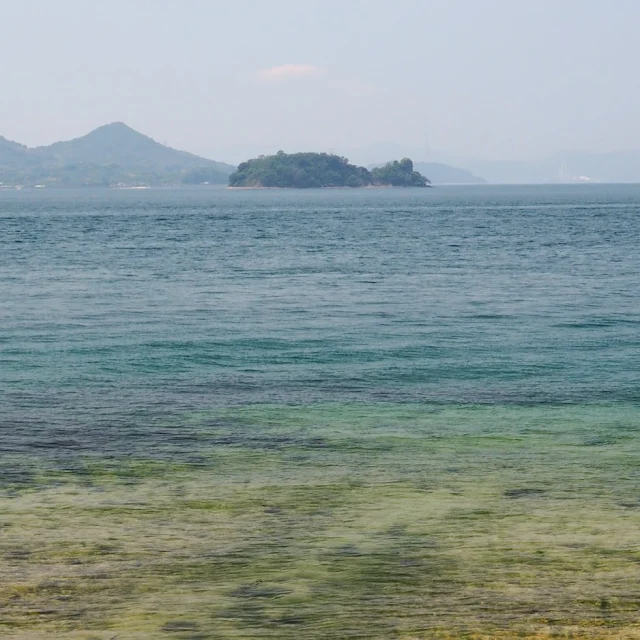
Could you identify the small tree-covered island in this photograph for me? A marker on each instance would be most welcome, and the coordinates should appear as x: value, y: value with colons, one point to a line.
x: 313, y: 170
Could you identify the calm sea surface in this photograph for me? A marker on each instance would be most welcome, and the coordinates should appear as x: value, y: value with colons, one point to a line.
x: 115, y: 303
x: 170, y: 325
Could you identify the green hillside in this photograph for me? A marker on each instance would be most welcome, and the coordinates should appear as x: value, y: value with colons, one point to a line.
x: 112, y: 155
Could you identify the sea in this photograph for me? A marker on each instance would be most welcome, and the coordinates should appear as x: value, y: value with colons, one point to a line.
x: 408, y: 413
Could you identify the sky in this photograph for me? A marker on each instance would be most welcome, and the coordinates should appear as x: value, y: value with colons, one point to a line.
x: 497, y: 79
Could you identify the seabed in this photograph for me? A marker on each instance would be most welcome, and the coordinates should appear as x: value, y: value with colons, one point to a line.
x: 332, y: 522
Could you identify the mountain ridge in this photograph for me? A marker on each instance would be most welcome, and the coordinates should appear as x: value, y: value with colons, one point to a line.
x: 111, y: 155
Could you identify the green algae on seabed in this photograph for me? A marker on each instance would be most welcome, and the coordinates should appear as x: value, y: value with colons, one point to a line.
x: 337, y: 521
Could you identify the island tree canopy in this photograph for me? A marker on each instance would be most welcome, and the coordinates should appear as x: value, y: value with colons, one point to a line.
x: 308, y: 170
x: 398, y: 174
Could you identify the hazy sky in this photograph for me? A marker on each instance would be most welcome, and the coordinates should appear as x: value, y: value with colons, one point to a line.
x: 491, y: 78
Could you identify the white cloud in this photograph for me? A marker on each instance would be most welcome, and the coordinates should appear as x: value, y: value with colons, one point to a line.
x: 287, y: 71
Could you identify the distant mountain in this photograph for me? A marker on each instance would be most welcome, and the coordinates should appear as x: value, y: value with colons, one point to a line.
x: 512, y: 172
x: 16, y: 160
x: 564, y: 167
x: 440, y: 173
x: 11, y: 150
x: 111, y: 155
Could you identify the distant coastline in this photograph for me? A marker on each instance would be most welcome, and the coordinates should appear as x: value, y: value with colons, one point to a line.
x: 261, y: 188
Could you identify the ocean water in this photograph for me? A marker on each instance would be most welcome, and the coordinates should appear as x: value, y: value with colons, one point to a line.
x: 320, y: 414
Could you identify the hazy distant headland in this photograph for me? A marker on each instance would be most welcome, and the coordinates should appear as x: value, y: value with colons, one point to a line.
x: 317, y: 170
x: 111, y: 156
